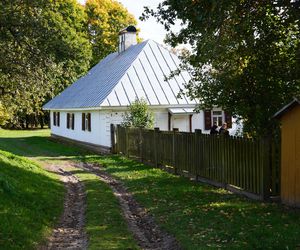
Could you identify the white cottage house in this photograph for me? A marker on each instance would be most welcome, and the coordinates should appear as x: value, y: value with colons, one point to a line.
x: 84, y: 111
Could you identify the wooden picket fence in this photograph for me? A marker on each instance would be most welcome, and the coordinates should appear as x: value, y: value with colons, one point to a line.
x: 239, y: 164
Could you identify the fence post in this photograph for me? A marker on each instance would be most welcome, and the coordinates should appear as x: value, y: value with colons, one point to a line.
x: 174, y: 153
x: 113, y: 138
x: 224, y: 149
x: 118, y: 146
x: 140, y: 144
x: 198, y: 157
x: 127, y: 141
x: 265, y: 143
x: 156, y: 131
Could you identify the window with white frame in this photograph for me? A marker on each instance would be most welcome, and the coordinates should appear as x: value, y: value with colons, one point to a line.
x: 217, y: 118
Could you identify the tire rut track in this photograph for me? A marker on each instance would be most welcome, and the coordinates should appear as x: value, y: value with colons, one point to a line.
x: 147, y: 233
x: 69, y: 233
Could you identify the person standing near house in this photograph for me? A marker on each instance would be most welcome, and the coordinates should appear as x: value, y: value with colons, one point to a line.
x: 223, y: 130
x: 213, y: 130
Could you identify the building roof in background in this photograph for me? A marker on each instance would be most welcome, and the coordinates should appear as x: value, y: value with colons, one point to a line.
x: 287, y: 108
x: 117, y: 80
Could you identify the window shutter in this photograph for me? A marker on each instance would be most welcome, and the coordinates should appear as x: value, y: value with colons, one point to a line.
x: 228, y: 120
x: 58, y: 119
x: 73, y: 121
x: 207, y: 119
x: 89, y: 121
x: 83, y: 121
x: 54, y: 118
x: 68, y: 120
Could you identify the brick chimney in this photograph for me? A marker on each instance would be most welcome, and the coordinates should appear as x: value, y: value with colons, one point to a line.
x: 127, y: 37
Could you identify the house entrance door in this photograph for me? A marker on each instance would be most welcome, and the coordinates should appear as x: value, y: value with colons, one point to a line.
x: 181, y: 122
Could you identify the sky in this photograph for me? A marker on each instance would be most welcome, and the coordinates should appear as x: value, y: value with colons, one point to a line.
x: 149, y: 29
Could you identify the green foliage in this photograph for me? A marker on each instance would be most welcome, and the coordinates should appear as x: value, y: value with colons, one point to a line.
x: 244, y: 57
x: 139, y: 115
x: 44, y: 47
x: 4, y: 116
x: 31, y: 200
x: 105, y: 19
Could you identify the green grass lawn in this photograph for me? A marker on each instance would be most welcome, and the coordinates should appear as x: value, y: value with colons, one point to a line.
x: 204, y: 217
x: 105, y: 225
x: 198, y: 215
x: 31, y: 201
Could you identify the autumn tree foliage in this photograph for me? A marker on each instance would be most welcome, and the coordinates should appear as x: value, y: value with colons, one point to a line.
x: 105, y: 19
x: 244, y: 54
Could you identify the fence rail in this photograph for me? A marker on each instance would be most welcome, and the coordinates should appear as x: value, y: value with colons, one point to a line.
x: 243, y: 164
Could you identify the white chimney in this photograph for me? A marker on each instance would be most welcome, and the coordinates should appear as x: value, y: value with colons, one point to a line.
x: 127, y: 37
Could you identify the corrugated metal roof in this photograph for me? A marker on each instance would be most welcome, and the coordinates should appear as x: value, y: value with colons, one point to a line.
x: 119, y: 79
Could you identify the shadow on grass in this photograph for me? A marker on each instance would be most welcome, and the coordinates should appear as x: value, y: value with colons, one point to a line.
x: 30, y: 202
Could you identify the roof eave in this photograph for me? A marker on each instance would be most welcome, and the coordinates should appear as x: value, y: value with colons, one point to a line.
x: 286, y: 108
x: 74, y: 109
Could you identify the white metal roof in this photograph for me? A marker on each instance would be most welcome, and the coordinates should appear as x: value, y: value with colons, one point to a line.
x: 181, y: 111
x: 117, y: 80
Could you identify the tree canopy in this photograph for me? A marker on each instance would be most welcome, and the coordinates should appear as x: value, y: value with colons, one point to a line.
x: 244, y: 54
x: 44, y: 47
x: 47, y: 45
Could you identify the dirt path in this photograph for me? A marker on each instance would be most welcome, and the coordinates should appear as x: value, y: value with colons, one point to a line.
x: 148, y: 234
x: 69, y: 233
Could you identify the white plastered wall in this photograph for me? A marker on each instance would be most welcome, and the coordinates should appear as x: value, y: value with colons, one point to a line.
x: 93, y: 136
x: 161, y: 119
x: 101, y: 120
x: 198, y: 121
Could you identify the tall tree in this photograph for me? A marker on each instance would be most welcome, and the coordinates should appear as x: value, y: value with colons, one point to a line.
x: 105, y: 19
x: 43, y: 48
x: 4, y: 116
x: 245, y: 54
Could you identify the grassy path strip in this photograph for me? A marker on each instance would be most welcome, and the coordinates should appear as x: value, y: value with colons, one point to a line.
x: 105, y: 225
x: 204, y: 217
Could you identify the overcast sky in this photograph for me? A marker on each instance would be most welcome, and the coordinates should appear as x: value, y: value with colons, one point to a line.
x: 150, y: 29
